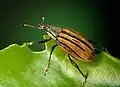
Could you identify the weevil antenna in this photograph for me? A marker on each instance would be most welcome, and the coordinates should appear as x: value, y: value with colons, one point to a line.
x: 27, y: 25
x: 42, y: 19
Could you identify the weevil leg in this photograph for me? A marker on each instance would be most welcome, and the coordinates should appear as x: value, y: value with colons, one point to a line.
x: 76, y: 66
x: 103, y: 49
x: 43, y: 41
x: 37, y: 42
x: 52, y: 49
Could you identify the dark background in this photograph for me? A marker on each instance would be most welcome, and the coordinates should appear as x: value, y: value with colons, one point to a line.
x: 95, y: 19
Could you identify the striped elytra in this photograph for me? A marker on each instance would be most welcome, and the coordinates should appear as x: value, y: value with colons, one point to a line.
x: 75, y: 44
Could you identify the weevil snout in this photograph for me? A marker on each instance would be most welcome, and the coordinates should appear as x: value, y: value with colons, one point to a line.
x: 39, y: 26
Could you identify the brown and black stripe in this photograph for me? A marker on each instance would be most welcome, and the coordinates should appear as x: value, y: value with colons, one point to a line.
x: 75, y: 44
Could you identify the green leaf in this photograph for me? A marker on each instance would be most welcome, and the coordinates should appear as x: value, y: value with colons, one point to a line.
x: 21, y: 67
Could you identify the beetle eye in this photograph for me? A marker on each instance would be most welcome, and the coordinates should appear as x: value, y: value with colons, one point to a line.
x: 44, y: 27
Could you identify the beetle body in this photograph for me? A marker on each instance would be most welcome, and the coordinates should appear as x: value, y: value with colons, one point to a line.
x: 70, y: 41
x: 75, y: 44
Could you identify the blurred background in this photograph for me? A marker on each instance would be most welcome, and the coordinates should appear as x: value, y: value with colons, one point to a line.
x: 95, y: 19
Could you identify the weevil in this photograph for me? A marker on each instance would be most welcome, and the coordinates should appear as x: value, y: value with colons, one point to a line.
x: 70, y: 41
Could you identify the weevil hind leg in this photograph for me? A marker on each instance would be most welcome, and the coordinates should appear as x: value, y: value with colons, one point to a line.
x: 101, y: 47
x: 48, y: 66
x: 37, y: 42
x: 76, y: 66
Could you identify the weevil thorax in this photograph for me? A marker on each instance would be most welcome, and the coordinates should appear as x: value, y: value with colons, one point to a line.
x: 52, y: 31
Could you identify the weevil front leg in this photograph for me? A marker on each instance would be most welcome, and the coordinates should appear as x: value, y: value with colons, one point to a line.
x: 76, y: 66
x: 37, y: 42
x: 48, y: 66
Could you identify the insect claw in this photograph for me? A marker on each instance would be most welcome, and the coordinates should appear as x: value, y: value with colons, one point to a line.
x: 28, y: 44
x: 106, y: 50
x: 84, y: 82
x: 45, y: 71
x: 44, y: 74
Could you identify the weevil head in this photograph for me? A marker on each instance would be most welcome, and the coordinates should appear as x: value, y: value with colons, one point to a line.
x: 52, y: 31
x: 43, y: 26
